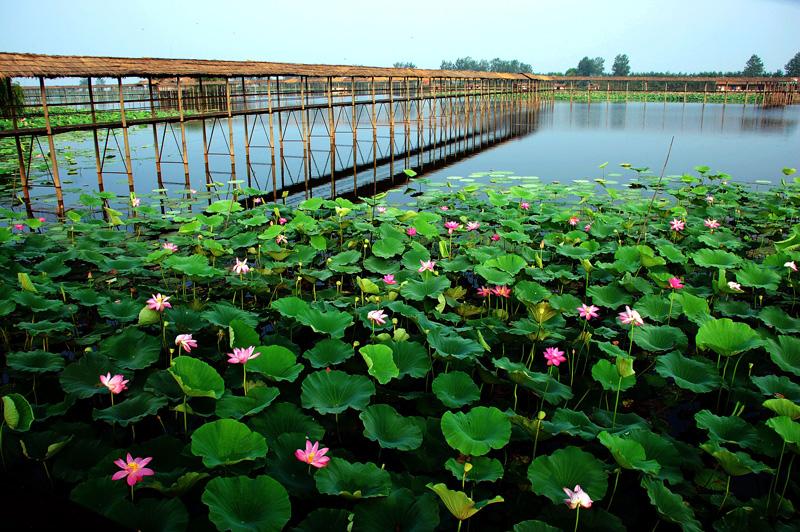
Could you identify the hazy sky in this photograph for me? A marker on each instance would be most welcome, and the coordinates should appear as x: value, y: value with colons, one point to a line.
x: 676, y: 35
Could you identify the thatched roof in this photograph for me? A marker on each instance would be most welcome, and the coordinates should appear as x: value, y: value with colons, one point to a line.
x: 57, y: 66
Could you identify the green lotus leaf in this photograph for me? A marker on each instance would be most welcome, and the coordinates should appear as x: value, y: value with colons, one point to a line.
x: 180, y: 485
x: 17, y: 412
x: 570, y: 466
x: 285, y: 418
x: 671, y: 506
x: 385, y: 425
x: 333, y: 392
x: 726, y: 337
x: 772, y: 385
x: 430, y: 287
x: 222, y: 314
x: 225, y: 207
x: 450, y: 345
x: 731, y: 429
x: 659, y: 338
x: 330, y: 519
x: 196, y: 378
x: 332, y: 322
x: 45, y: 327
x: 786, y: 428
x: 329, y: 352
x: 510, y: 263
x: 455, y: 389
x: 715, y: 258
x: 124, y: 311
x: 237, y: 407
x: 697, y: 375
x: 778, y: 318
x: 131, y: 410
x: 401, y: 511
x: 35, y: 361
x: 572, y: 422
x: 695, y: 308
x: 460, y: 505
x: 411, y: 358
x: 610, y: 296
x: 35, y: 302
x: 237, y: 503
x: 380, y: 362
x: 484, y: 469
x: 494, y: 275
x: 226, y: 442
x: 193, y: 266
x: 342, y: 263
x: 388, y: 247
x: 82, y: 378
x: 476, y: 432
x: 353, y: 480
x: 530, y: 293
x: 783, y: 407
x: 785, y: 353
x: 275, y: 362
x: 735, y: 464
x: 533, y: 525
x: 609, y: 378
x: 242, y: 335
x: 542, y: 384
x: 670, y: 457
x: 628, y: 453
x: 132, y: 349
x: 290, y: 306
x: 656, y: 308
x: 757, y: 276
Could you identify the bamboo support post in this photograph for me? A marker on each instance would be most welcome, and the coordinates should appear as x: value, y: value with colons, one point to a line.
x: 248, y: 166
x: 156, y: 149
x: 53, y: 158
x: 23, y: 173
x: 184, y: 150
x: 272, y: 141
x: 125, y: 141
x: 331, y: 135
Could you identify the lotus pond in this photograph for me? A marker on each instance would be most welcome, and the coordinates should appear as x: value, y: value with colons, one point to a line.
x: 542, y: 357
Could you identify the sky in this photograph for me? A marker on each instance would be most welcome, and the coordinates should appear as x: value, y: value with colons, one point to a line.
x: 674, y: 35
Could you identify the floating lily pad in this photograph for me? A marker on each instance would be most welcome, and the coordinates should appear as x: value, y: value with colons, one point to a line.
x: 237, y: 503
x: 35, y: 361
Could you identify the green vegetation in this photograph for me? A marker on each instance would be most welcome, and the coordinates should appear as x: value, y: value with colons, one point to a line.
x: 600, y: 94
x: 484, y: 65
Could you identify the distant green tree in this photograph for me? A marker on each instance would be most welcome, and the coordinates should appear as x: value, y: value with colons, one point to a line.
x: 754, y: 67
x: 622, y: 66
x: 14, y: 98
x: 778, y: 74
x: 571, y: 72
x: 591, y: 67
x: 482, y: 65
x: 792, y: 68
x: 404, y: 64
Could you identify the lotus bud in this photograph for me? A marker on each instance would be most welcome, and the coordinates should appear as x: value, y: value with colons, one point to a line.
x: 88, y: 350
x: 366, y: 240
x: 467, y: 468
x: 338, y: 283
x: 541, y: 245
x: 329, y: 261
x: 394, y: 321
x: 625, y: 367
x: 356, y: 343
x: 541, y: 415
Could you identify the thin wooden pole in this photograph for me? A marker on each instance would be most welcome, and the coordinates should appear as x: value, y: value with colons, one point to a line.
x: 157, y: 151
x: 23, y: 174
x: 182, y: 119
x: 374, y: 139
x: 391, y: 128
x: 204, y: 108
x: 230, y: 129
x: 272, y: 140
x: 306, y: 144
x: 354, y: 121
x: 332, y: 136
x: 246, y: 136
x: 420, y: 126
x: 98, y: 163
x: 280, y: 129
x: 52, y: 146
x: 128, y: 164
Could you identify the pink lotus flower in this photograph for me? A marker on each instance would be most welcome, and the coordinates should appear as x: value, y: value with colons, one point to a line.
x: 630, y: 317
x: 19, y: 227
x: 554, y: 356
x: 524, y: 205
x: 281, y: 239
x: 169, y: 246
x: 502, y: 291
x: 193, y: 191
x: 444, y: 208
x: 573, y: 221
x: 484, y: 291
x: 587, y: 227
x: 381, y: 210
x: 42, y: 219
x: 389, y: 279
x: 242, y: 355
x: 588, y: 311
x: 133, y: 468
x: 115, y: 384
x: 411, y: 231
x: 426, y: 265
x: 472, y: 226
x: 677, y: 225
x: 577, y: 498
x: 495, y: 237
x: 240, y: 267
x: 736, y: 287
x: 257, y: 200
x: 136, y: 202
x: 282, y: 221
x: 675, y: 283
x: 186, y: 342
x: 452, y: 226
x: 313, y: 455
x: 377, y: 316
x: 158, y: 302
x: 711, y: 224
x: 791, y: 265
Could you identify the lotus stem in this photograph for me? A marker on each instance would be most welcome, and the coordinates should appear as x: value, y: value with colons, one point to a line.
x: 786, y: 483
x: 614, y: 491
x: 185, y: 422
x: 616, y: 403
x: 577, y: 518
x: 774, y: 484
x: 244, y: 378
x: 671, y: 300
x: 727, y: 491
x: 458, y: 529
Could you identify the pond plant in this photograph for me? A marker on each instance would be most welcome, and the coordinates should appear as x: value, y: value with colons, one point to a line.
x: 523, y: 356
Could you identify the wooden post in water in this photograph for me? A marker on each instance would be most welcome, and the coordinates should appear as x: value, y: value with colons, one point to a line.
x: 98, y: 162
x: 705, y: 89
x: 229, y: 107
x: 53, y: 159
x: 420, y: 126
x: 354, y: 124
x: 374, y: 138
x: 725, y: 95
x: 272, y: 141
x: 159, y: 177
x: 246, y: 136
x: 407, y: 123
x: 204, y: 108
x: 23, y: 174
x: 746, y: 90
x: 182, y: 119
x: 665, y: 92
x: 684, y: 92
x: 306, y: 144
x: 280, y: 129
x: 331, y: 136
x: 391, y: 128
x: 128, y: 165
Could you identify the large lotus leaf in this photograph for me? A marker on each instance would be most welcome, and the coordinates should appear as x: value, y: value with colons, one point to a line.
x: 726, y: 337
x: 715, y: 258
x: 459, y: 503
x: 196, y: 378
x: 450, y: 345
x: 131, y: 410
x: 124, y: 311
x: 758, y: 276
x: 431, y: 287
x: 659, y: 338
x: 783, y: 407
x: 290, y: 306
x: 572, y: 422
x: 786, y: 428
x: 476, y: 432
x: 609, y: 378
x: 628, y: 453
x: 353, y: 480
x: 285, y: 418
x: 530, y: 293
x: 697, y: 375
x: 242, y: 335
x: 542, y: 384
x: 388, y: 247
x: 785, y: 353
x: 483, y: 469
x: 662, y: 450
x: 411, y: 358
x: 778, y: 318
x: 735, y: 464
x: 570, y: 466
x: 610, y: 296
x: 671, y: 506
x: 226, y: 442
x: 247, y: 504
x: 82, y: 378
x: 332, y: 322
x: 773, y: 385
x: 237, y: 407
x: 222, y: 314
x: 35, y: 361
x: 17, y: 412
x: 508, y: 263
x: 401, y: 511
x: 533, y: 525
x: 35, y: 302
x: 380, y: 362
x: 225, y: 207
x: 193, y: 266
x: 731, y: 429
x: 333, y: 392
x: 328, y: 519
x: 455, y: 389
x: 656, y: 308
x: 384, y: 424
x: 132, y: 349
x: 493, y: 275
x: 275, y: 362
x: 329, y: 352
x: 695, y: 308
